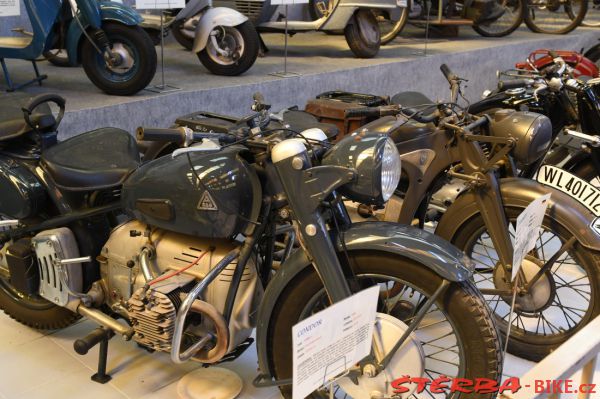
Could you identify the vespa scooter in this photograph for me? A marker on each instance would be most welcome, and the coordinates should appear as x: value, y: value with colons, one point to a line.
x: 116, y: 54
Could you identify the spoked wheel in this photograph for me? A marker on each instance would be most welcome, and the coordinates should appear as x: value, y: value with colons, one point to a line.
x: 128, y: 68
x: 31, y: 310
x: 456, y: 338
x: 231, y: 51
x: 560, y: 303
x: 555, y: 16
x: 592, y: 17
x: 362, y: 34
x: 184, y: 32
x: 511, y: 19
x: 391, y: 22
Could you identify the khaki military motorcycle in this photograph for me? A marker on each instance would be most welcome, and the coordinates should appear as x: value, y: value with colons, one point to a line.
x: 182, y: 254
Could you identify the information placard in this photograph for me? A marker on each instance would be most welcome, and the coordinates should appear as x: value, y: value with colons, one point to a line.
x: 10, y: 8
x: 158, y: 4
x: 529, y: 223
x: 333, y: 340
x: 288, y: 2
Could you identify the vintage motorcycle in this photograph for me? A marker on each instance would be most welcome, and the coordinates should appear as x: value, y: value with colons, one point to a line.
x: 452, y: 176
x: 178, y: 254
x: 573, y: 107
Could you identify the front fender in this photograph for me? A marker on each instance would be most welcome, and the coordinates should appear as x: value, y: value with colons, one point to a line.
x: 410, y: 242
x: 109, y: 11
x: 563, y: 210
x: 213, y: 17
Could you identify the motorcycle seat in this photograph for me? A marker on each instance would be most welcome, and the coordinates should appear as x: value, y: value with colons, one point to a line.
x: 95, y: 160
x: 12, y: 122
x: 301, y: 120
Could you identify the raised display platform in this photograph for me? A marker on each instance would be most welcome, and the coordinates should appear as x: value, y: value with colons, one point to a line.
x: 324, y: 62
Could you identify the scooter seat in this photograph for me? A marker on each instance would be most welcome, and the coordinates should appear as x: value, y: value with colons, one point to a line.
x: 15, y: 42
x: 96, y: 160
x: 12, y: 122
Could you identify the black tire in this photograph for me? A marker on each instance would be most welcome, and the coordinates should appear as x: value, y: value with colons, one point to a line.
x: 56, y: 58
x: 33, y: 311
x: 560, y: 22
x: 137, y: 45
x: 523, y: 343
x: 507, y: 23
x: 228, y: 67
x: 362, y: 34
x: 180, y: 37
x: 388, y: 35
x: 461, y: 303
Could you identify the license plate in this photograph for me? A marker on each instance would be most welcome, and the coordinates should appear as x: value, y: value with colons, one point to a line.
x: 402, y: 3
x: 576, y: 188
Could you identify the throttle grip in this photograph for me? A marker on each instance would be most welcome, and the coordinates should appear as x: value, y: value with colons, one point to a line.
x: 450, y: 76
x: 513, y: 84
x: 176, y: 135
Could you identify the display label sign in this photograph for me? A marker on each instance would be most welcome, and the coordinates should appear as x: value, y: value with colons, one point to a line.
x: 10, y: 8
x: 402, y: 3
x: 158, y: 4
x: 580, y: 190
x: 333, y: 340
x: 288, y: 2
x: 527, y: 231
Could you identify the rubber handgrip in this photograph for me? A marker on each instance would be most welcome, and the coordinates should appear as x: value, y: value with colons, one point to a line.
x: 175, y: 135
x: 513, y: 84
x: 450, y: 76
x: 362, y: 112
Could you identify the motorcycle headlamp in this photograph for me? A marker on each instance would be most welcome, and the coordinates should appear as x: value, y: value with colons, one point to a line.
x: 376, y: 161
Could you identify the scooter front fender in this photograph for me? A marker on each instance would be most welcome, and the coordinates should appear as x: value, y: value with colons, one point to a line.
x: 213, y: 17
x: 516, y: 192
x: 405, y: 241
x: 109, y: 11
x: 192, y: 8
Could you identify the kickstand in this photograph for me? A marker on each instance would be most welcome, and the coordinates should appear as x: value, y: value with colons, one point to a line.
x: 11, y: 87
x: 82, y: 346
x: 263, y: 47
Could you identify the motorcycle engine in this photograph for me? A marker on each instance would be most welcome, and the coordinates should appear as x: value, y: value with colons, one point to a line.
x: 152, y: 310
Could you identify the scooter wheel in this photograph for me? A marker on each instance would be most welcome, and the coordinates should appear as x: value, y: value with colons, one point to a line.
x: 136, y: 64
x: 240, y: 42
x: 363, y: 35
x: 181, y: 38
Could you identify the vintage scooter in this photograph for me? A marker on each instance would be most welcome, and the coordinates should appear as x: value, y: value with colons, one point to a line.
x: 116, y: 54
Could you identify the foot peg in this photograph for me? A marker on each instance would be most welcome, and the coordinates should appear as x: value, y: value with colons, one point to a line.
x: 83, y: 345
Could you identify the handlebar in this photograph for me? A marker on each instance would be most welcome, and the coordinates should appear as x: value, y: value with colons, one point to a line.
x: 180, y: 135
x: 450, y: 76
x: 514, y: 84
x: 372, y: 112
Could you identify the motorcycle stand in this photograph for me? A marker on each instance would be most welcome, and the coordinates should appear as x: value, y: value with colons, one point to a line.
x: 285, y: 73
x: 98, y: 336
x: 11, y: 87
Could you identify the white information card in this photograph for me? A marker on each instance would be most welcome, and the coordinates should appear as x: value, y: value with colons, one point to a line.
x: 10, y: 8
x: 158, y: 4
x: 333, y: 340
x: 529, y: 223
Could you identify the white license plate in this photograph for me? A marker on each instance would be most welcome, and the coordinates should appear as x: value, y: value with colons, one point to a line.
x: 402, y: 3
x: 576, y: 188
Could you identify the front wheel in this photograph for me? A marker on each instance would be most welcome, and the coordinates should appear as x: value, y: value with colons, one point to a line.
x: 391, y: 22
x: 132, y: 65
x: 231, y: 50
x: 363, y: 35
x: 511, y: 19
x: 456, y: 338
x: 559, y: 304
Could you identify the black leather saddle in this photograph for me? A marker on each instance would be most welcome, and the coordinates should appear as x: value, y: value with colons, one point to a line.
x: 95, y: 160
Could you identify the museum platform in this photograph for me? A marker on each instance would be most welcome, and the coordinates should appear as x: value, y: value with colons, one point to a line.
x: 324, y: 62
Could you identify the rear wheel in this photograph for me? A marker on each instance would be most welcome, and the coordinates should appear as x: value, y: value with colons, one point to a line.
x: 592, y: 17
x: 231, y: 50
x: 362, y: 34
x: 134, y: 63
x: 555, y: 16
x: 182, y: 35
x: 456, y: 338
x: 391, y: 22
x: 511, y: 19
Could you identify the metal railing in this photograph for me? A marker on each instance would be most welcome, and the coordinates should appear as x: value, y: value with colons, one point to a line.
x: 580, y: 352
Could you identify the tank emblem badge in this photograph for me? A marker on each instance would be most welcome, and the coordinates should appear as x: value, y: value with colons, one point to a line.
x: 207, y: 203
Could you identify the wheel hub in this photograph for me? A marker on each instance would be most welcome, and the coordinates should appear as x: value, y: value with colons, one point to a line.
x: 408, y: 360
x: 538, y: 297
x: 119, y: 60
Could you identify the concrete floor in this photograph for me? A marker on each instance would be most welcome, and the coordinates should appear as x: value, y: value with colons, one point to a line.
x: 324, y: 61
